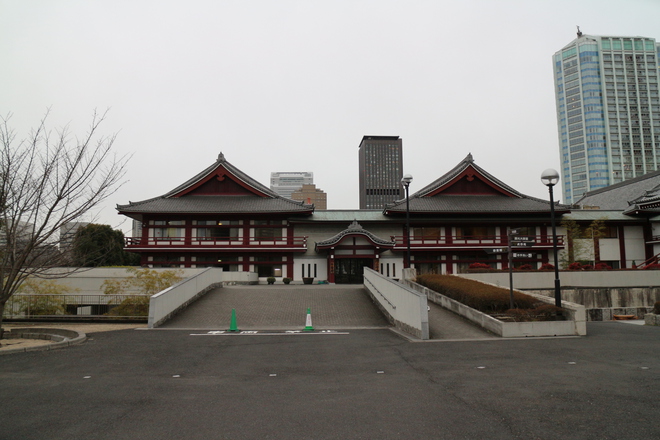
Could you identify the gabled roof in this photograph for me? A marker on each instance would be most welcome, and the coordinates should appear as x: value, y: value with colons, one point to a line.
x: 631, y: 196
x: 354, y: 229
x: 468, y: 188
x: 220, y: 188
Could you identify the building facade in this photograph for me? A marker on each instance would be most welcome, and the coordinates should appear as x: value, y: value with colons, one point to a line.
x: 224, y: 218
x: 608, y: 111
x: 380, y: 170
x: 311, y: 195
x: 285, y: 183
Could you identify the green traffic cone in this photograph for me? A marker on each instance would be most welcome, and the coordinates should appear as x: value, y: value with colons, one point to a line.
x: 308, y: 322
x: 232, y: 325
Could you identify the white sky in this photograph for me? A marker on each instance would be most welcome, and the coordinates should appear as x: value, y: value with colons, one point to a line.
x: 281, y: 85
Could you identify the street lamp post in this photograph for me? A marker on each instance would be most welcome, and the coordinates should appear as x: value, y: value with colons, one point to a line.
x: 550, y: 178
x: 405, y: 181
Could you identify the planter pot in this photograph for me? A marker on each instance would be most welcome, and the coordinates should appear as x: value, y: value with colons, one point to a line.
x: 308, y: 280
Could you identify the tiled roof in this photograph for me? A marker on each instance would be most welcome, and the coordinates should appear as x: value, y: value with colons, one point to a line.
x: 263, y: 201
x: 625, y: 195
x: 509, y: 200
x: 475, y: 204
x: 343, y: 216
x: 214, y: 204
x: 233, y: 170
x: 355, y: 228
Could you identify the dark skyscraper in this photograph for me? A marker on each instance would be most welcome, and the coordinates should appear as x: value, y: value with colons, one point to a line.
x: 381, y: 170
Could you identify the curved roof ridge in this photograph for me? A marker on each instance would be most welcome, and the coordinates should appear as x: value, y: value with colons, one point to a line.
x: 355, y: 228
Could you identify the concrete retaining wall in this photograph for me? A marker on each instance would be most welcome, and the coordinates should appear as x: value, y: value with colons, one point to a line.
x: 165, y: 304
x: 575, y: 325
x: 602, y: 293
x: 90, y: 281
x: 588, y: 278
x: 406, y: 309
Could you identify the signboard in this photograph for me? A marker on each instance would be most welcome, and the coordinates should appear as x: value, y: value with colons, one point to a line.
x: 523, y: 255
x: 522, y: 244
x: 522, y: 238
x: 521, y: 241
x: 497, y: 251
x: 515, y: 231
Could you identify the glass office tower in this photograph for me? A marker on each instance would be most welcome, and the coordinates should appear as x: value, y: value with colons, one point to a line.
x: 608, y: 111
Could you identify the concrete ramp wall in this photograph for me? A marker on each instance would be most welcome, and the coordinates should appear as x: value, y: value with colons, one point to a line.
x: 406, y: 309
x: 165, y: 304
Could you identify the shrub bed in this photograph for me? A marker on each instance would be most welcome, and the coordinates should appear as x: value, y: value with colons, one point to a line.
x: 488, y: 299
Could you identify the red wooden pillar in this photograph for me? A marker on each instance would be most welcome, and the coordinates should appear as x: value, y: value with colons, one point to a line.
x: 331, y: 267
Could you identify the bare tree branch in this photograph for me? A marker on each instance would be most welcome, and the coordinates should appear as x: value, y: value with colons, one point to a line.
x: 46, y: 181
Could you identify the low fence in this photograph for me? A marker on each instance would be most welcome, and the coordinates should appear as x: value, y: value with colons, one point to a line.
x: 70, y: 306
x: 406, y: 309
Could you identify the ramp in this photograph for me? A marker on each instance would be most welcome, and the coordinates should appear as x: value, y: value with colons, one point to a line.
x: 281, y: 307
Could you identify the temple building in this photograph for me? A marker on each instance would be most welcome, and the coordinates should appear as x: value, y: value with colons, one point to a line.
x: 224, y: 218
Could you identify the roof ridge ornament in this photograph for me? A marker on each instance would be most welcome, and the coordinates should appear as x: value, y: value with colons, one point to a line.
x: 355, y: 225
x: 221, y: 157
x: 469, y: 158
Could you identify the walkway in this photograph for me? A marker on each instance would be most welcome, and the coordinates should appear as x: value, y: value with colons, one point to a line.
x: 282, y: 307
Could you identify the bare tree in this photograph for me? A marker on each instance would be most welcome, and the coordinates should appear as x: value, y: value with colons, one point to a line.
x: 46, y: 181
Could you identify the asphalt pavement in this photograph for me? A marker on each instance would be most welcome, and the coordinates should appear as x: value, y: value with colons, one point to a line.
x: 366, y: 384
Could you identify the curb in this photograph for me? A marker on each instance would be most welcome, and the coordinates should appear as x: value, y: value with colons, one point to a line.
x: 64, y: 338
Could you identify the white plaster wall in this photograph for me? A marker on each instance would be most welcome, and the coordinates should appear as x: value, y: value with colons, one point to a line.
x: 634, y: 242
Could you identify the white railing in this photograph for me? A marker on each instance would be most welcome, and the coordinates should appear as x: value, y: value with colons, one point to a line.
x: 406, y: 309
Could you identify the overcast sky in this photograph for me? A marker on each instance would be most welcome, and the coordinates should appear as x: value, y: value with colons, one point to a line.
x: 294, y: 85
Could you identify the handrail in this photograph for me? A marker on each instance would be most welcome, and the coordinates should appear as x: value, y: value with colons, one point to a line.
x: 653, y: 260
x: 216, y: 241
x: 476, y: 240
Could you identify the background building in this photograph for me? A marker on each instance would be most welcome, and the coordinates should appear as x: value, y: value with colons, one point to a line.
x: 285, y: 183
x: 608, y: 111
x: 311, y: 195
x: 381, y: 170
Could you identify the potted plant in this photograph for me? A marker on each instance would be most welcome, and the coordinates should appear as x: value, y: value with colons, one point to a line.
x: 286, y: 280
x: 270, y: 280
x: 308, y: 280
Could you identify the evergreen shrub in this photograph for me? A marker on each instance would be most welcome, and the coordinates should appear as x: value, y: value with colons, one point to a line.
x: 479, y: 296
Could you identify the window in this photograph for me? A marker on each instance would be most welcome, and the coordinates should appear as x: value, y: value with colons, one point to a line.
x: 167, y: 233
x: 217, y: 229
x: 468, y: 232
x: 268, y: 229
x: 426, y: 232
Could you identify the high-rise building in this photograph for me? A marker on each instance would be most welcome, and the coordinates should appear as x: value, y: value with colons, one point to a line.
x: 381, y: 170
x: 608, y: 111
x: 285, y: 183
x: 311, y: 195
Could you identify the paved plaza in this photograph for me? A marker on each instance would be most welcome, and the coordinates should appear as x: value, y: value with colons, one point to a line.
x: 284, y: 307
x: 367, y: 384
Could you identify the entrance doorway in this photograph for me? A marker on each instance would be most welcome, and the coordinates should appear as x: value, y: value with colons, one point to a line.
x: 349, y: 270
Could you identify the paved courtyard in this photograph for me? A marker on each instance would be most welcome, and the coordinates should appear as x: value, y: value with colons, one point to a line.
x: 282, y: 307
x: 367, y: 384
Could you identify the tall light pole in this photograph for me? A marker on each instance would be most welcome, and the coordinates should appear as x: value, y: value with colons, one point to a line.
x: 550, y: 178
x: 405, y: 181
